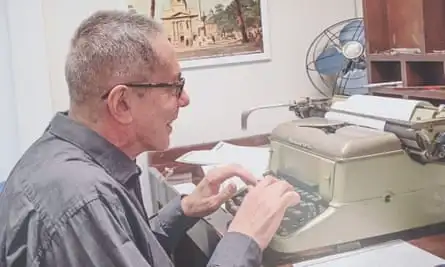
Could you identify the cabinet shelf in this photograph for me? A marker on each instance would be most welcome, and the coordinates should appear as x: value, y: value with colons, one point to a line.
x: 431, y: 57
x: 405, y: 24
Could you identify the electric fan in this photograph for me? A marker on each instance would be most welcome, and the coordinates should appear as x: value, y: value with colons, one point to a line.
x: 335, y: 61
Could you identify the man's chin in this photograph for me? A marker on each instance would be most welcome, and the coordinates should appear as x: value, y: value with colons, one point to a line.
x: 161, y: 146
x: 159, y: 142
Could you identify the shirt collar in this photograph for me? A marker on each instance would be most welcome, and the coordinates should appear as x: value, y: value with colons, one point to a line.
x: 112, y: 159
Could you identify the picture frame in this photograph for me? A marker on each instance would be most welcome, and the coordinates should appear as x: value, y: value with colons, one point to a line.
x: 208, y: 33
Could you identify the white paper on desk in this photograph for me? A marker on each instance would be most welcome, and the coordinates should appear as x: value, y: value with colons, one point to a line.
x: 199, y: 157
x: 383, y: 107
x: 185, y: 188
x: 254, y: 159
x: 392, y: 254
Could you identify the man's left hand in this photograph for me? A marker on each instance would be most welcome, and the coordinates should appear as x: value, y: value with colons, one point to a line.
x: 207, y: 196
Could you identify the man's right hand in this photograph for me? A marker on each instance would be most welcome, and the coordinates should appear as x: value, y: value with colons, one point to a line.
x: 262, y: 210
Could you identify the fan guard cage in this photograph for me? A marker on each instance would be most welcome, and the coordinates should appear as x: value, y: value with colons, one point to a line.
x: 335, y: 60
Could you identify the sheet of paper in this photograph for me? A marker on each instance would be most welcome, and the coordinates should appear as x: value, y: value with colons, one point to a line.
x: 225, y: 153
x: 384, y: 107
x: 199, y: 157
x: 356, y: 120
x: 254, y: 159
x: 185, y: 188
x: 392, y: 254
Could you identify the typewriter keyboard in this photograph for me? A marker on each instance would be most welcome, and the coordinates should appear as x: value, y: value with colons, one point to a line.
x: 310, y: 206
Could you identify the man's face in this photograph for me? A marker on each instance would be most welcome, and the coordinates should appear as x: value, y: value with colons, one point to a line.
x: 156, y: 110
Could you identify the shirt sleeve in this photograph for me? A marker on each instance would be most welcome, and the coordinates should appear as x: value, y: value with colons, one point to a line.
x: 94, y: 236
x: 170, y: 224
x: 236, y: 249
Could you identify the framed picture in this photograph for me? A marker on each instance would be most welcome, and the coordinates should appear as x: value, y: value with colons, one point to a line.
x: 212, y: 32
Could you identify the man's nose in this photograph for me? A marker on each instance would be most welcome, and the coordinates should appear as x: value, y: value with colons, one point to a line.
x: 184, y: 99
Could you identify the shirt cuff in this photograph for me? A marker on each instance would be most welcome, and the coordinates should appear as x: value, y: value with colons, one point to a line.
x: 236, y: 249
x: 171, y: 216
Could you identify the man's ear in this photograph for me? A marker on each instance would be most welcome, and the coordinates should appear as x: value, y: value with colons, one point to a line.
x: 119, y: 104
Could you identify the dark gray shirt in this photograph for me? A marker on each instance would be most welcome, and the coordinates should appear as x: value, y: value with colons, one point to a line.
x: 74, y: 199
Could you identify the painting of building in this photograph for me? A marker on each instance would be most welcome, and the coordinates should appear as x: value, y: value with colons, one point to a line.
x: 207, y: 28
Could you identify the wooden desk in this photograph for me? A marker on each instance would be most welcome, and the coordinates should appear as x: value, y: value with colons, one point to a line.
x: 431, y: 239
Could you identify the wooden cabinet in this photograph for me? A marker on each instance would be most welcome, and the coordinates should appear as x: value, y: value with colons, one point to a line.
x: 405, y: 41
x: 405, y: 24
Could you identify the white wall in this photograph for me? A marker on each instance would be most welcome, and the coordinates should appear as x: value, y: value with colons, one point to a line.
x: 26, y: 97
x: 9, y: 142
x: 30, y: 72
x: 219, y: 94
x: 359, y: 8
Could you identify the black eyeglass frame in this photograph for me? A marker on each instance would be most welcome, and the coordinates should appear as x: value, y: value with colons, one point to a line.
x: 178, y: 85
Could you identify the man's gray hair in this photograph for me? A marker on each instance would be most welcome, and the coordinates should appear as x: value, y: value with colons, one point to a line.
x: 108, y: 48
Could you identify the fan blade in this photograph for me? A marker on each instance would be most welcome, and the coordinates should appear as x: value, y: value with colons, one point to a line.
x: 330, y: 61
x: 353, y: 82
x: 353, y: 31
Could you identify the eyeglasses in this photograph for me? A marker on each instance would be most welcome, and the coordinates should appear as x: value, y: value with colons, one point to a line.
x: 178, y: 86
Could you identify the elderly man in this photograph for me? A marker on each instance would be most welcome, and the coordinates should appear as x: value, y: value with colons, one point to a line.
x: 74, y: 197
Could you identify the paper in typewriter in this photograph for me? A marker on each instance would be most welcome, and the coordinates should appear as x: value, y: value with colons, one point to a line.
x: 392, y: 254
x: 384, y: 107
